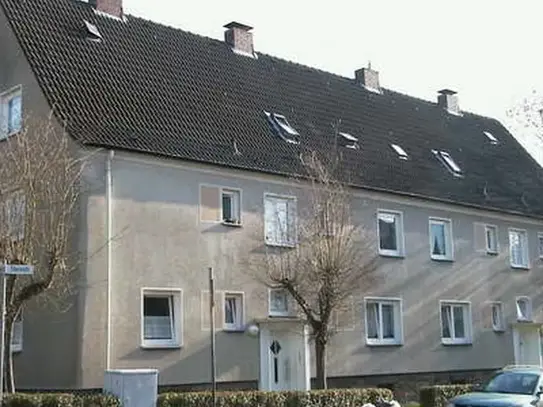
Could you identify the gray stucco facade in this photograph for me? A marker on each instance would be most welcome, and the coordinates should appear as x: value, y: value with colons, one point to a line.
x: 159, y: 242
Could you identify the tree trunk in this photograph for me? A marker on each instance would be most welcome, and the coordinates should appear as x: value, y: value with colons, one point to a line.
x: 320, y: 355
x: 9, y: 382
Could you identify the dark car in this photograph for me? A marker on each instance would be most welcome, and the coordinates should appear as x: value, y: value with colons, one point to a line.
x: 512, y: 386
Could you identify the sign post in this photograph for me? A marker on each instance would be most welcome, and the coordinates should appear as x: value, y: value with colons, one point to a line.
x: 8, y: 269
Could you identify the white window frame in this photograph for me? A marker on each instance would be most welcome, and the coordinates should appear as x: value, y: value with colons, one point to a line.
x: 397, y: 304
x: 449, y: 241
x: 274, y: 312
x: 400, y: 237
x: 17, y: 346
x: 500, y: 327
x: 240, y: 298
x: 291, y: 240
x: 15, y: 225
x: 523, y: 233
x: 468, y: 323
x: 176, y: 295
x: 235, y: 194
x: 5, y: 98
x: 539, y: 245
x: 488, y: 249
x: 529, y: 316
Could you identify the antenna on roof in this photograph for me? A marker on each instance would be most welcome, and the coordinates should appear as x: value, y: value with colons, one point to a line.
x: 369, y: 64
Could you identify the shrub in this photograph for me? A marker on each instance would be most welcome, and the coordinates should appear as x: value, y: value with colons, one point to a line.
x: 314, y: 398
x: 438, y: 396
x: 59, y: 400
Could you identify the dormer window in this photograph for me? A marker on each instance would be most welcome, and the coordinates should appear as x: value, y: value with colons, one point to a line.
x: 282, y: 127
x: 92, y: 31
x: 490, y: 137
x: 400, y: 151
x: 448, y: 161
x: 349, y: 141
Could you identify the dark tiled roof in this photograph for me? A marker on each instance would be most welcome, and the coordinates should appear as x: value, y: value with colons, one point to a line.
x: 155, y: 89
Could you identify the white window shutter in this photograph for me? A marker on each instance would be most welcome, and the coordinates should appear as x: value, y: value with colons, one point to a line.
x: 479, y: 237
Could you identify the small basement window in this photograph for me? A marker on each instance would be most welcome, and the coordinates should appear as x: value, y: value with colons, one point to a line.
x: 92, y: 31
x: 282, y: 127
x: 490, y: 136
x: 400, y: 151
x: 349, y: 141
x: 448, y: 161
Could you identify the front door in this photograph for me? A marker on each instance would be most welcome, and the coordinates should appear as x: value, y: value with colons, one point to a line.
x: 527, y: 345
x: 280, y: 362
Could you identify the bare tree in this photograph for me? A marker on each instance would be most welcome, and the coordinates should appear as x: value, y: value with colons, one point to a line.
x: 40, y: 175
x: 331, y: 258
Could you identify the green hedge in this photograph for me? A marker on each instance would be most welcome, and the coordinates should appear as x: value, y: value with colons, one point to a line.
x: 314, y: 398
x: 438, y: 396
x: 59, y: 400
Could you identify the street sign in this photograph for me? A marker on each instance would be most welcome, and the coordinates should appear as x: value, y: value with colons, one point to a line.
x: 19, y: 269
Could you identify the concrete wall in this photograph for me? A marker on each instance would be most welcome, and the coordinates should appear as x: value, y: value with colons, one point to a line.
x: 50, y: 336
x: 160, y: 242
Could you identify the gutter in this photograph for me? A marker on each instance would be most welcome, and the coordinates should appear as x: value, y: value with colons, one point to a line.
x: 109, y: 236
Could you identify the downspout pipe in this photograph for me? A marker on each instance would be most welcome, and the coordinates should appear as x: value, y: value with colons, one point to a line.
x: 109, y: 237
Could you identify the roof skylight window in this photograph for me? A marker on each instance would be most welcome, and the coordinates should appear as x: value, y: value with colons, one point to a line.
x: 282, y: 127
x: 92, y: 31
x: 490, y: 136
x: 400, y: 151
x: 349, y: 141
x: 448, y: 161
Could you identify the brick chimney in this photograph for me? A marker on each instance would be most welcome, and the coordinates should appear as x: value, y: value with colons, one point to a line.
x: 111, y: 7
x: 447, y: 99
x: 368, y: 78
x: 239, y: 37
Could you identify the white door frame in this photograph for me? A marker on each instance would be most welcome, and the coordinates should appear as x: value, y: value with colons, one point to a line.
x: 297, y: 332
x: 523, y: 327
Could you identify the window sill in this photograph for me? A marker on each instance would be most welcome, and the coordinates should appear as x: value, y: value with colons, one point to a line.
x: 16, y: 349
x: 234, y: 329
x: 379, y: 343
x: 279, y: 314
x: 492, y: 253
x: 396, y: 255
x: 442, y: 259
x: 452, y: 342
x: 499, y: 330
x: 519, y: 267
x: 231, y: 224
x: 285, y: 245
x: 151, y: 346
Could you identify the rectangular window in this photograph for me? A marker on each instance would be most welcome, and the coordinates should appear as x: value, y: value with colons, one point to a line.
x: 383, y: 321
x: 161, y: 318
x: 280, y: 220
x: 455, y: 323
x: 278, y: 302
x: 524, y: 309
x: 17, y: 334
x: 518, y: 248
x: 233, y: 311
x: 13, y: 215
x: 540, y: 244
x: 390, y: 229
x: 441, y: 247
x: 11, y: 104
x: 497, y: 317
x: 491, y: 237
x: 231, y: 208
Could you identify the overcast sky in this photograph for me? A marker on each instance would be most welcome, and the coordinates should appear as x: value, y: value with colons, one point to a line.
x: 488, y: 51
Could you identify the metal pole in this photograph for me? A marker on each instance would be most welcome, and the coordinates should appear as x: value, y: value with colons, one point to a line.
x: 2, y: 341
x: 212, y: 337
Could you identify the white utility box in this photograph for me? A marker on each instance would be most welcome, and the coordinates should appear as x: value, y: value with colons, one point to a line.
x: 134, y: 387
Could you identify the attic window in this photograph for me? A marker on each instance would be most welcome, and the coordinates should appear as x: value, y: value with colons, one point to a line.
x: 282, y: 127
x: 92, y: 31
x: 490, y: 136
x: 448, y: 161
x: 400, y: 151
x: 349, y: 141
